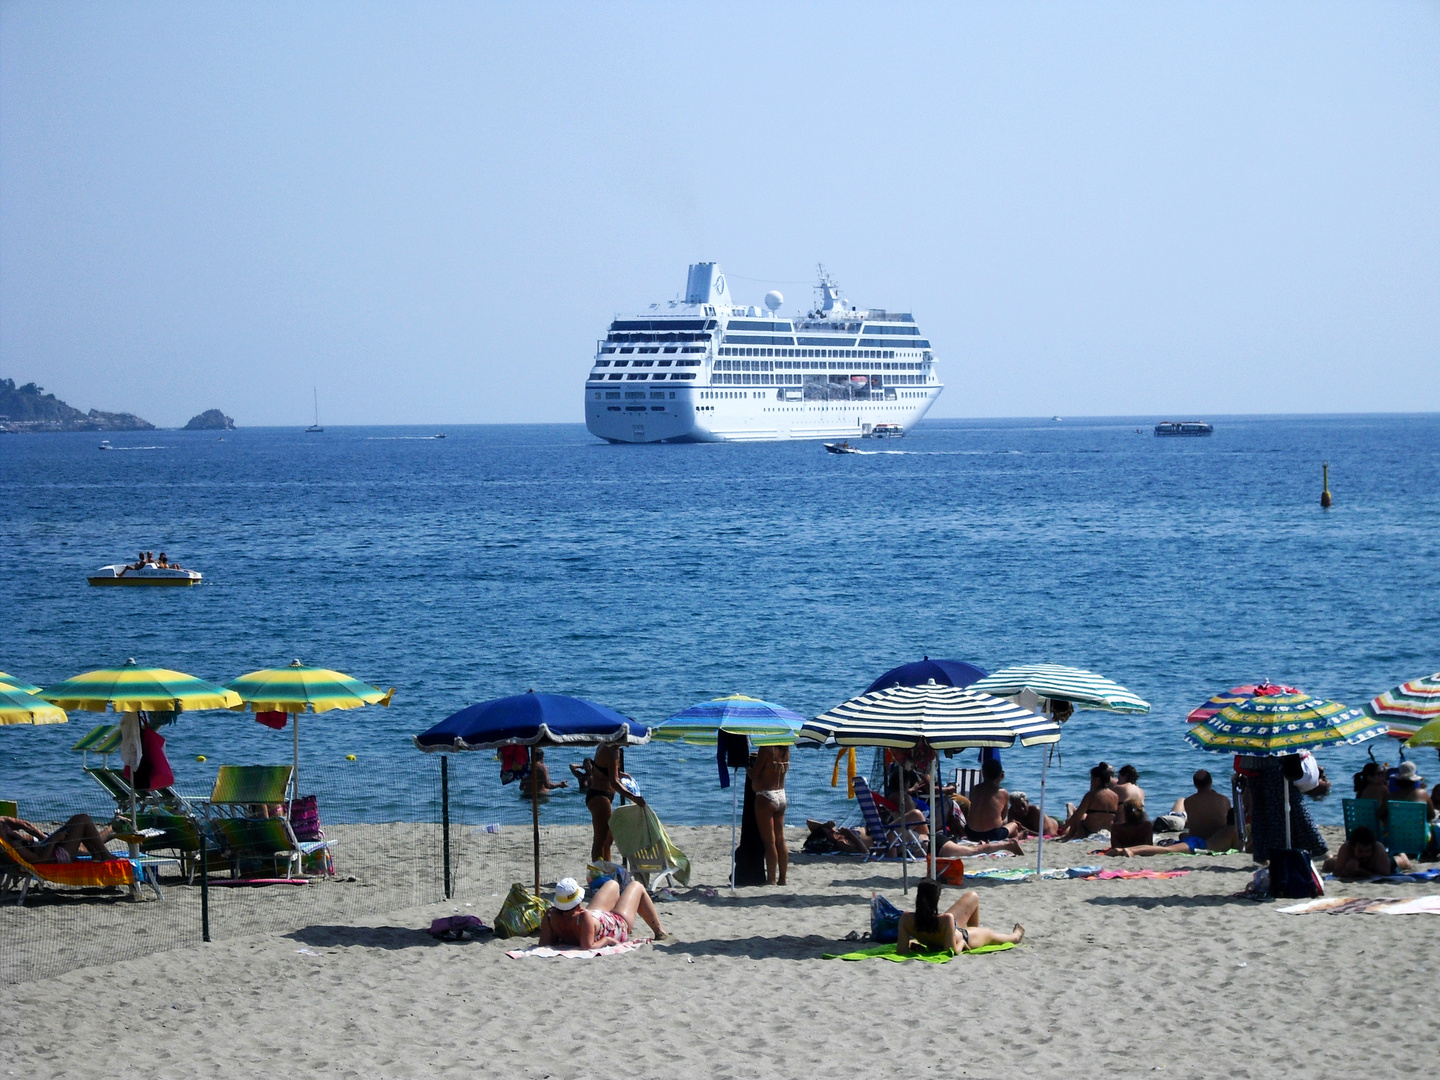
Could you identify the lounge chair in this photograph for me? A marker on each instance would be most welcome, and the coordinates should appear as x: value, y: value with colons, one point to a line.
x: 17, y: 871
x: 1360, y: 812
x: 240, y: 788
x: 246, y: 839
x: 965, y: 780
x: 647, y: 849
x: 886, y: 841
x: 251, y: 843
x: 1408, y: 829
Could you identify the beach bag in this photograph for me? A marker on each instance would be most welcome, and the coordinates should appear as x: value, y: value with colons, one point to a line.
x: 1292, y: 875
x: 884, y: 920
x: 521, y: 913
x: 950, y: 871
x: 305, y: 818
x: 603, y: 870
x: 455, y: 927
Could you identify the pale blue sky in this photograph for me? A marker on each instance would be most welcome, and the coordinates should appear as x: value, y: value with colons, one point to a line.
x: 430, y: 211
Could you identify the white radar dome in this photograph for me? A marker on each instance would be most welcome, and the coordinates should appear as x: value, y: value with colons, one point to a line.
x: 773, y: 299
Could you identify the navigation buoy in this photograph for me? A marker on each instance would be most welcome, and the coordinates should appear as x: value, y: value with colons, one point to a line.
x: 199, y: 757
x: 349, y: 757
x: 1325, y: 499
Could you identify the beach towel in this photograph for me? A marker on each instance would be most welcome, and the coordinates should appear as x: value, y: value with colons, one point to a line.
x: 578, y: 954
x: 887, y: 952
x: 1131, y: 875
x: 1395, y: 879
x: 1021, y: 873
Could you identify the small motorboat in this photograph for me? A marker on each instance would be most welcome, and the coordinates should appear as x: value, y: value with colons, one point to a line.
x: 441, y: 435
x: 885, y: 431
x: 105, y: 444
x: 146, y: 574
x: 841, y: 448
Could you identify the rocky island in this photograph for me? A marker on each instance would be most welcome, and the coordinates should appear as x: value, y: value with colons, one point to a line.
x: 28, y: 408
x: 210, y: 420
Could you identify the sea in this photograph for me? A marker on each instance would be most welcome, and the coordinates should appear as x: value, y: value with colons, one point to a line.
x: 506, y: 558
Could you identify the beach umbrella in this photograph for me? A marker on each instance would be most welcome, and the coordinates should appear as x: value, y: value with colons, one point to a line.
x: 1234, y: 696
x: 529, y: 719
x: 1408, y: 707
x: 944, y: 672
x: 15, y: 684
x: 293, y: 689
x: 763, y: 722
x: 131, y: 690
x: 1429, y: 735
x: 19, y: 707
x: 1280, y: 725
x: 940, y: 717
x: 1055, y: 683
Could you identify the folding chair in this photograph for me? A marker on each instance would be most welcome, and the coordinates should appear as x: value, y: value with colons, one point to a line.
x: 885, y: 839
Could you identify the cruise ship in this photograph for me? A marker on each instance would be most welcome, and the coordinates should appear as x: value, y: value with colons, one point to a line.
x: 708, y: 370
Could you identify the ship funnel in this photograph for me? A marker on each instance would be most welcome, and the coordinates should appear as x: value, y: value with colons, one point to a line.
x: 706, y: 285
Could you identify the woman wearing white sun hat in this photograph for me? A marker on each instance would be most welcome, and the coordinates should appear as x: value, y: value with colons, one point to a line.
x: 609, y: 918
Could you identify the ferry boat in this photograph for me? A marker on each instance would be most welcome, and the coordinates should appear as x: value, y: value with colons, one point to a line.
x: 146, y: 574
x: 1184, y: 427
x: 708, y: 370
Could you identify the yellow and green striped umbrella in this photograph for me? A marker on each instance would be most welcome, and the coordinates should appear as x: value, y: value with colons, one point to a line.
x: 1429, y: 735
x: 295, y: 688
x: 9, y: 682
x: 135, y: 689
x: 1274, y: 726
x: 18, y: 707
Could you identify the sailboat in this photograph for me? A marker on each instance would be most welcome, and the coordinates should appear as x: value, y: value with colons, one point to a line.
x: 315, y: 427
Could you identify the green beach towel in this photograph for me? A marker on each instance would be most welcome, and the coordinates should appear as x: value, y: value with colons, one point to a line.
x: 887, y: 952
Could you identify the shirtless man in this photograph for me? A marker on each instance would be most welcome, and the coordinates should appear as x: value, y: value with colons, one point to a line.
x: 539, y: 777
x: 1207, y: 817
x: 767, y: 779
x: 63, y: 845
x: 1363, y: 856
x: 989, y: 806
x: 1127, y: 786
x: 1097, y: 809
x: 1027, y: 815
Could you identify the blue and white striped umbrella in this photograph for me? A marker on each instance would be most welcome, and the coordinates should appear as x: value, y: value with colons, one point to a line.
x: 764, y: 723
x: 1084, y: 689
x: 946, y: 717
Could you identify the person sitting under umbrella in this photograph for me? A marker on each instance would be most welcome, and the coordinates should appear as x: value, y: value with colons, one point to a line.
x: 1363, y: 856
x: 1027, y: 815
x: 609, y: 918
x: 61, y: 846
x: 1097, y: 810
x: 958, y: 927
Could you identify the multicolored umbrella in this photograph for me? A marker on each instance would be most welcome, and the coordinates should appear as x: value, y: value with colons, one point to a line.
x: 15, y: 684
x: 19, y: 707
x: 1235, y: 696
x: 135, y: 689
x: 1084, y: 689
x: 295, y: 688
x: 763, y: 722
x: 1408, y: 707
x: 1283, y: 724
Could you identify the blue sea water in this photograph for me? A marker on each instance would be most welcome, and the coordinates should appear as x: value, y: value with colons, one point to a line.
x: 651, y: 577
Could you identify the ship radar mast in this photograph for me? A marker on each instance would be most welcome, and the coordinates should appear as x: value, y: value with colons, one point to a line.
x: 830, y: 291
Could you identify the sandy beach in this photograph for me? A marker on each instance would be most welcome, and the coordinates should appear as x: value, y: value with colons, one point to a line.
x: 1123, y: 977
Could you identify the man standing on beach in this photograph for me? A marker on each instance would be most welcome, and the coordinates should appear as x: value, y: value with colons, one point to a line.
x: 989, y: 805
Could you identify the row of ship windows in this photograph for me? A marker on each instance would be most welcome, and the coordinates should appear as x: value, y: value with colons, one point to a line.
x: 802, y: 365
x: 834, y: 354
x: 634, y: 395
x: 638, y: 376
x: 655, y: 349
x: 648, y: 363
x: 797, y: 379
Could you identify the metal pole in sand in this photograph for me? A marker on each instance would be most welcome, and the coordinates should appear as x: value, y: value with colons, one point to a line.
x: 295, y: 770
x: 734, y: 798
x: 445, y: 815
x: 1040, y: 843
x: 535, y: 822
x: 1284, y: 780
x: 934, y: 817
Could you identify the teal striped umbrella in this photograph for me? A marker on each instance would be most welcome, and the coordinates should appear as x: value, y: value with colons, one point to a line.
x: 11, y: 683
x: 1084, y: 689
x: 764, y: 723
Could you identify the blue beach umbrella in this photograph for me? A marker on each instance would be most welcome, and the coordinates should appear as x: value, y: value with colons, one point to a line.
x: 531, y: 719
x: 943, y: 672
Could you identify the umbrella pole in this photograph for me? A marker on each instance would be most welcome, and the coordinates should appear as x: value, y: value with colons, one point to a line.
x: 1286, y: 782
x: 535, y: 825
x: 1040, y: 842
x: 295, y: 770
x: 934, y: 818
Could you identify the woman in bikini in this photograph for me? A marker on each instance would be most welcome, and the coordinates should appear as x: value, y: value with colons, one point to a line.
x: 603, y: 779
x: 767, y: 778
x: 1097, y: 810
x: 958, y: 927
x: 609, y: 919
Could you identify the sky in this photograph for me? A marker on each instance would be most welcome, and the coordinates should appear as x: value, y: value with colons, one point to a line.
x: 428, y: 213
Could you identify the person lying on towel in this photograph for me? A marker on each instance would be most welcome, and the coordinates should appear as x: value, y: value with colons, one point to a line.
x: 958, y: 927
x: 61, y: 846
x: 609, y: 918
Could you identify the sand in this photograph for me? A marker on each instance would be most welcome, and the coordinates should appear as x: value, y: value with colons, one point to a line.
x: 1169, y: 977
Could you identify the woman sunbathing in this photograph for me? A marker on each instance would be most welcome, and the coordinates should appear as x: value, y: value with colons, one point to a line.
x: 63, y: 845
x: 957, y: 928
x: 609, y: 919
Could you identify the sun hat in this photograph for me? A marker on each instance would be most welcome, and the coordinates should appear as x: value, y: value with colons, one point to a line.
x: 1407, y: 771
x: 568, y: 893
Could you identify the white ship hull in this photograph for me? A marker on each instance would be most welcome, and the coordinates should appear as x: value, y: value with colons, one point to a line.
x: 696, y: 416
